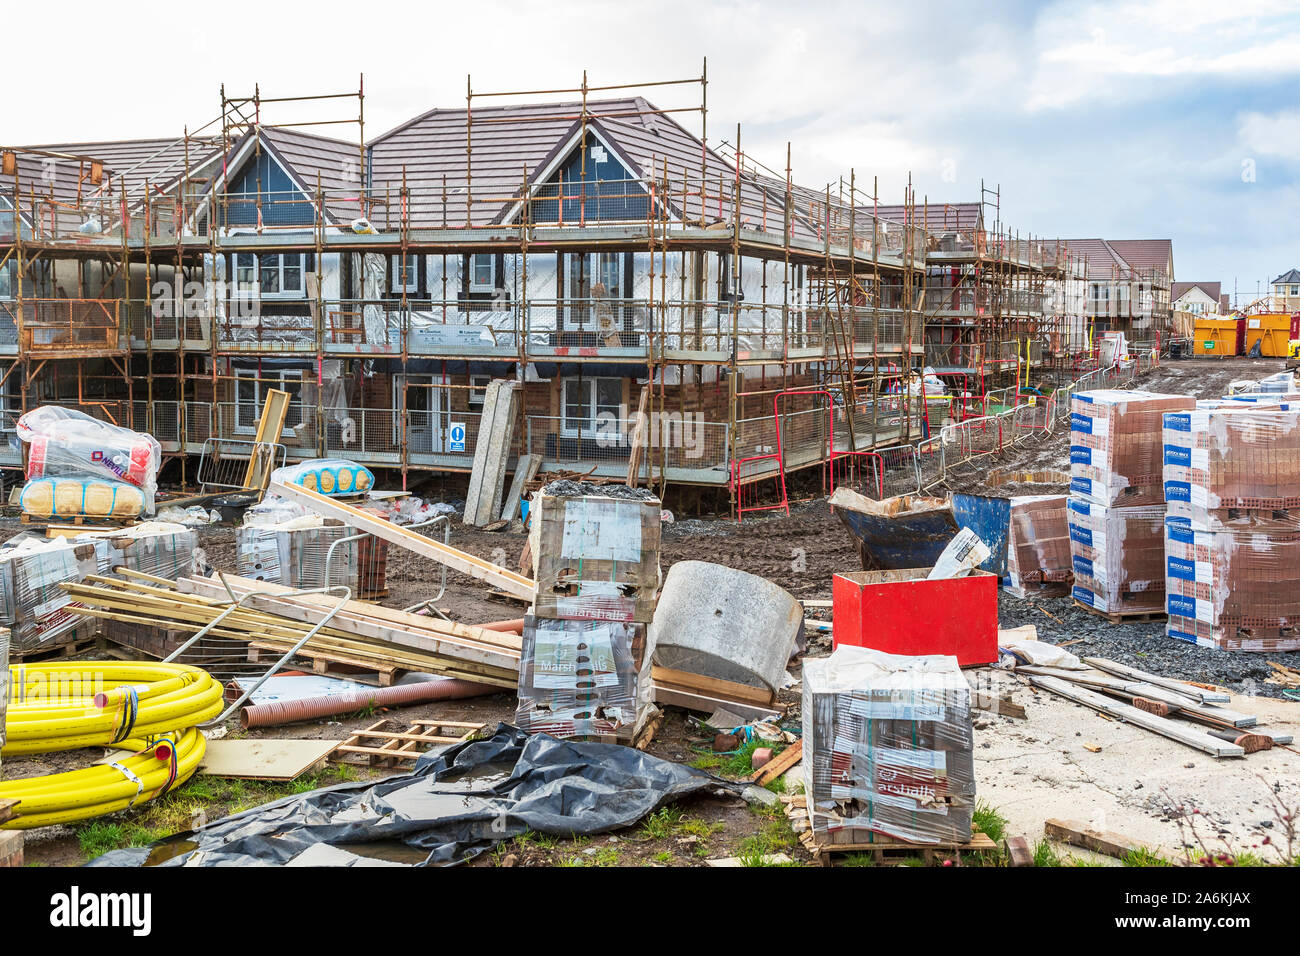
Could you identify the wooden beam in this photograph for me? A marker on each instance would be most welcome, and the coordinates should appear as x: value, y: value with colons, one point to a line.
x: 1181, y: 687
x: 1127, y: 712
x: 1077, y: 833
x: 514, y: 584
x: 711, y: 686
x: 779, y: 764
x: 269, y: 429
x: 640, y: 436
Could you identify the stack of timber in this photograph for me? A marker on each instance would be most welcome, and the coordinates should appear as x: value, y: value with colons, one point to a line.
x: 1150, y: 701
x: 383, y: 640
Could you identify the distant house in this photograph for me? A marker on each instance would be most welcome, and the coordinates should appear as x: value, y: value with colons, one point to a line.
x: 1198, y: 298
x: 1286, y: 291
x: 1128, y: 283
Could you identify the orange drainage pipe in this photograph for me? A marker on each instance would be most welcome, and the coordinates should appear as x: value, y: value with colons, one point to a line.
x: 288, y: 711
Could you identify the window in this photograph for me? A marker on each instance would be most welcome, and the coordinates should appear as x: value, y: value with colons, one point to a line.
x: 591, y: 407
x: 483, y: 272
x: 478, y: 390
x: 593, y: 282
x: 7, y: 280
x: 250, y: 396
x: 405, y: 274
x: 272, y: 275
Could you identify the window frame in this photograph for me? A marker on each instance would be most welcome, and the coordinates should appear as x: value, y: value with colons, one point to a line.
x: 412, y: 285
x: 255, y: 291
x: 265, y: 380
x: 591, y: 384
x: 472, y: 284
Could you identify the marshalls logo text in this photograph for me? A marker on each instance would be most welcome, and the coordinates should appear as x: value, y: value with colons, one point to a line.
x: 75, y: 909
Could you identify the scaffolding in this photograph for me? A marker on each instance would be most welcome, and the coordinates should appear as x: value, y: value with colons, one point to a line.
x: 738, y: 285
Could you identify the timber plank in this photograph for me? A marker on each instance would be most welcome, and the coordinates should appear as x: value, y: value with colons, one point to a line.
x: 506, y: 580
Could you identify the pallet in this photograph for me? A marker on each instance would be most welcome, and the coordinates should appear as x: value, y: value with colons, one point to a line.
x: 382, y: 745
x: 884, y: 850
x: 55, y: 651
x: 1124, y: 617
x: 80, y: 521
x: 329, y: 664
x: 7, y: 810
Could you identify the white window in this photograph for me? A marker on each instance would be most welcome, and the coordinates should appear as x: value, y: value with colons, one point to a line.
x: 7, y: 280
x: 591, y: 407
x: 483, y: 272
x: 271, y: 276
x: 250, y: 395
x: 405, y: 274
x: 478, y: 390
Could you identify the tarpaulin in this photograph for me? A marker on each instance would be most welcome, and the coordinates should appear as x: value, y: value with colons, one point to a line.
x: 453, y: 805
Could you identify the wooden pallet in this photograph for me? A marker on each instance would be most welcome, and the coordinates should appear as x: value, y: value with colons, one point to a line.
x: 7, y: 810
x: 329, y: 664
x: 53, y: 651
x: 1124, y: 617
x: 382, y: 744
x: 80, y: 521
x: 883, y: 850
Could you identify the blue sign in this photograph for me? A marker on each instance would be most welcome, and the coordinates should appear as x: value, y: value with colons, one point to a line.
x: 456, y: 437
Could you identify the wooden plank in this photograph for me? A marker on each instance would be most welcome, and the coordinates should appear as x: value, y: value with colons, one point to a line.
x: 269, y: 428
x: 699, y: 702
x: 1018, y: 851
x: 1126, y: 712
x: 525, y: 470
x: 514, y: 584
x: 640, y: 437
x: 1181, y: 687
x: 711, y: 686
x: 7, y: 809
x: 779, y: 764
x: 369, y: 620
x: 1077, y: 833
x: 1130, y: 689
x: 267, y: 758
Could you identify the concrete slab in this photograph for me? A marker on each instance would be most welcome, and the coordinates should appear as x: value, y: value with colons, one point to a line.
x: 1044, y: 767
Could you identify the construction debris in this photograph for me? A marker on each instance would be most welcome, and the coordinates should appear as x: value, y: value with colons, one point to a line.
x: 1080, y: 834
x: 508, y: 581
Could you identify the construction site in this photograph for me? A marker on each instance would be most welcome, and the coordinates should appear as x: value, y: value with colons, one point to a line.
x: 556, y: 437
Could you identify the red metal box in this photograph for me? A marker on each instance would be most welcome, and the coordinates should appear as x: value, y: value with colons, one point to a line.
x: 900, y: 612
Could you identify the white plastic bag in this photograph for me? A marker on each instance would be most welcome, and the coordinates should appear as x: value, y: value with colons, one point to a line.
x: 964, y: 554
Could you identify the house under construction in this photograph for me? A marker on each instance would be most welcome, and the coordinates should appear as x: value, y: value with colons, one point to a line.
x: 605, y: 252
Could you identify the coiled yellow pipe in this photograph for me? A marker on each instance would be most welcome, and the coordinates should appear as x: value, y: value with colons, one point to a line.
x: 151, y: 709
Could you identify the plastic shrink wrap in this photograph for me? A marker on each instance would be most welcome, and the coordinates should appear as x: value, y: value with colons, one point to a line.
x: 887, y: 748
x: 1115, y: 445
x: 79, y: 465
x: 327, y: 476
x: 1038, y: 546
x: 583, y: 678
x: 1118, y: 557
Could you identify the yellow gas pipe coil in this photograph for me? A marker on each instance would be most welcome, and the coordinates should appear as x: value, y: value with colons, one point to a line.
x: 150, y: 709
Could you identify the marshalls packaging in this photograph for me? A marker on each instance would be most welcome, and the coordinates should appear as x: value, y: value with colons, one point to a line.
x: 887, y: 748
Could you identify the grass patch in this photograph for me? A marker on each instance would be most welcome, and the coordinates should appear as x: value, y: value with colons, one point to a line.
x: 1143, y: 857
x: 663, y: 823
x: 1045, y: 854
x: 215, y: 797
x: 739, y: 764
x: 989, y: 821
x: 857, y: 859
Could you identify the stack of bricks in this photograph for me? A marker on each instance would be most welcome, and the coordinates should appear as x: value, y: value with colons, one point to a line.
x: 888, y: 748
x: 1232, y: 486
x: 1116, y: 508
x: 1038, y: 546
x: 585, y: 668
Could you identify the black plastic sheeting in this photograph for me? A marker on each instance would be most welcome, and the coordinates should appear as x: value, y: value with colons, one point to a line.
x: 453, y: 805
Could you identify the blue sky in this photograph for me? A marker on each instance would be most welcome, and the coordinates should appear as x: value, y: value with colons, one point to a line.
x: 1112, y: 119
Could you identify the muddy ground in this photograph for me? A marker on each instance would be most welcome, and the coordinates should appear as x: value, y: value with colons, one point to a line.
x: 1028, y: 769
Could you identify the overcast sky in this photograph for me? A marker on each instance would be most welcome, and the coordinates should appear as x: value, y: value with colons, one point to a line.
x: 1121, y: 120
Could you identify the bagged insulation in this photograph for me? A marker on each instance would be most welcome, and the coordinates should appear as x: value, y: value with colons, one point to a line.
x: 327, y: 476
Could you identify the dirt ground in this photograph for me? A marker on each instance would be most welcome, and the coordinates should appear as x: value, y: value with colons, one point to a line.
x: 1043, y: 766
